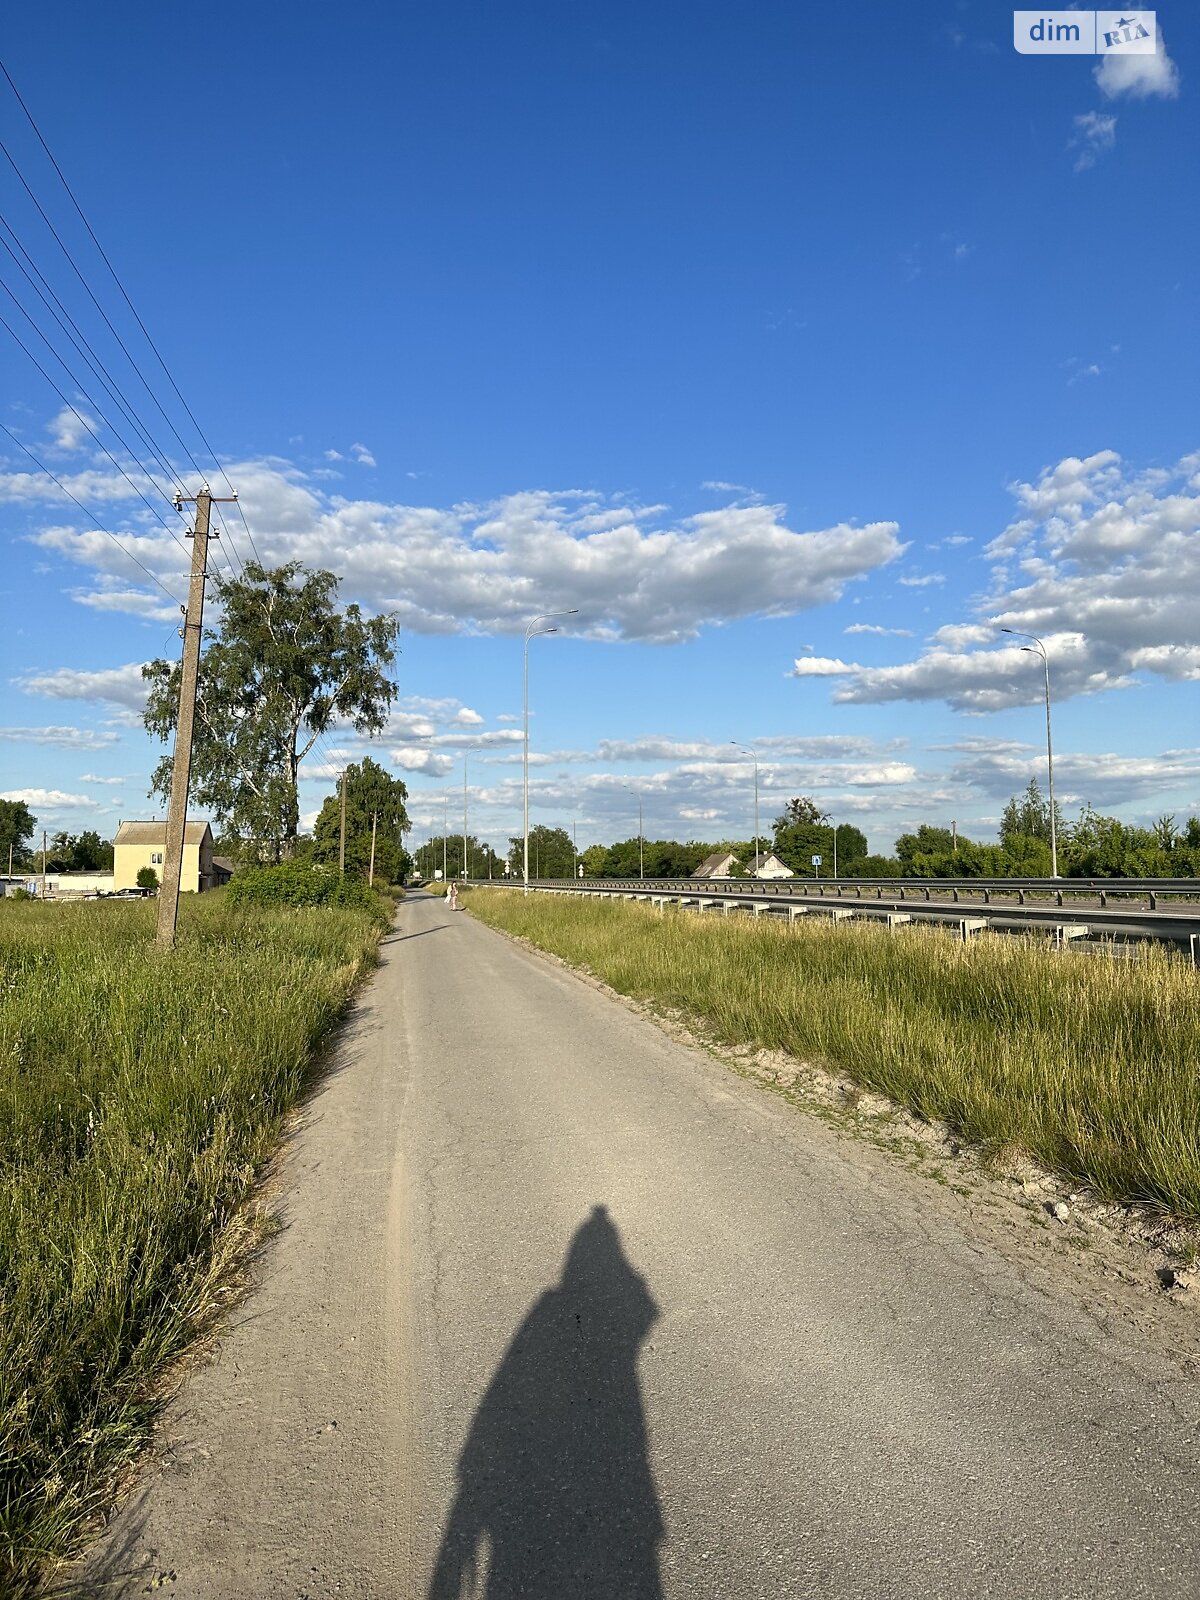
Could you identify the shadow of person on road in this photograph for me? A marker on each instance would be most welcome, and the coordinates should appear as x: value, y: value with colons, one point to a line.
x: 554, y: 1478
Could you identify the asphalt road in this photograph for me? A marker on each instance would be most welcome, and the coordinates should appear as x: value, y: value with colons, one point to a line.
x: 565, y: 1310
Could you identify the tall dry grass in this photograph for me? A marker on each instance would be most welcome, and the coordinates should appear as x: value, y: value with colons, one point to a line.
x: 140, y: 1094
x: 1089, y: 1065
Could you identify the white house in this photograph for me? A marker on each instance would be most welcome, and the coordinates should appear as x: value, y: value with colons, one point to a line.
x: 718, y: 865
x: 768, y: 865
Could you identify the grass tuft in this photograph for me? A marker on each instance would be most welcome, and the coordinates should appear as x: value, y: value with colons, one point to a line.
x: 140, y: 1094
x: 1089, y: 1066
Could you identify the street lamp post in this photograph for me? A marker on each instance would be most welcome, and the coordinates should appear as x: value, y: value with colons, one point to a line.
x: 641, y: 853
x: 753, y: 758
x: 531, y: 632
x: 1037, y: 648
x: 470, y: 751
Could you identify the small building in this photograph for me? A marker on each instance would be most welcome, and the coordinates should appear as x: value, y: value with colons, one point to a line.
x: 78, y: 885
x: 768, y: 865
x: 222, y: 871
x: 144, y: 844
x: 718, y: 865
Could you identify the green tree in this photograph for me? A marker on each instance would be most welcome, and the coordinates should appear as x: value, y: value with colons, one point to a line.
x: 482, y: 860
x: 1027, y: 815
x: 17, y: 823
x: 926, y: 841
x: 801, y: 809
x: 371, y: 792
x: 283, y: 667
x: 551, y: 853
x: 1166, y: 834
x: 624, y: 858
x: 92, y: 853
x: 592, y: 860
x: 1105, y: 847
x: 851, y: 847
x: 803, y: 830
x: 146, y: 878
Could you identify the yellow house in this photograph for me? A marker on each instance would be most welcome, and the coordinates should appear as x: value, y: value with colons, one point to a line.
x: 143, y: 844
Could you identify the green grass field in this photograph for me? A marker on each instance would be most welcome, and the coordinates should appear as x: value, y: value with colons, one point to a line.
x: 1090, y: 1066
x: 140, y: 1095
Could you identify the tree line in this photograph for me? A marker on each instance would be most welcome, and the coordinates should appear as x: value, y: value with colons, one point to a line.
x: 1093, y: 846
x: 65, y: 852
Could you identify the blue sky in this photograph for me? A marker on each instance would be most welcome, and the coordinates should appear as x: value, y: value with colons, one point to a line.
x: 796, y: 349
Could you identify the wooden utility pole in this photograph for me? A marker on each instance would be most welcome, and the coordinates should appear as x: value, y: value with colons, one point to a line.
x: 374, y: 820
x: 342, y: 830
x: 181, y: 765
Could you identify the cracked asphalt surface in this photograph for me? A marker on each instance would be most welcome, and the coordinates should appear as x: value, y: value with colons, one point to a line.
x: 563, y: 1308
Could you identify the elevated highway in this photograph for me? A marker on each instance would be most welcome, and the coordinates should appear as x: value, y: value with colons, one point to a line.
x: 1166, y: 910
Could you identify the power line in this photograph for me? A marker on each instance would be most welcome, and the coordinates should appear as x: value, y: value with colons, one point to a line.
x: 124, y: 295
x: 121, y: 440
x: 41, y: 466
x: 42, y: 288
x: 86, y: 424
x: 101, y: 372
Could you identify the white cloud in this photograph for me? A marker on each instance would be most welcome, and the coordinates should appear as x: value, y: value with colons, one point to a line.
x: 421, y: 758
x: 957, y: 634
x: 822, y: 667
x: 1109, y: 578
x: 491, y: 739
x: 91, y: 485
x: 61, y: 738
x: 925, y: 582
x: 93, y: 777
x: 1139, y: 77
x: 445, y: 710
x: 121, y: 686
x: 1099, y: 778
x: 1095, y: 133
x: 633, y: 571
x: 874, y: 627
x: 362, y: 455
x: 154, y: 607
x: 775, y: 747
x: 50, y: 799
x: 72, y: 428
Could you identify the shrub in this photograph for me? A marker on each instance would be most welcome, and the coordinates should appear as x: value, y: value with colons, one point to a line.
x: 298, y: 883
x: 146, y: 878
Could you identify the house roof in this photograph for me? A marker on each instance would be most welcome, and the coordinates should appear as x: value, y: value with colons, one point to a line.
x: 156, y: 833
x: 224, y: 864
x: 764, y: 860
x: 708, y: 867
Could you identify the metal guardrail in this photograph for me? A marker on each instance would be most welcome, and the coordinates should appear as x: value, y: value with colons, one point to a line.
x: 939, y: 900
x: 987, y: 889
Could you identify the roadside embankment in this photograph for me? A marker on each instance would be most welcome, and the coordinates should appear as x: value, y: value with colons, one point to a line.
x: 141, y: 1094
x: 1087, y: 1066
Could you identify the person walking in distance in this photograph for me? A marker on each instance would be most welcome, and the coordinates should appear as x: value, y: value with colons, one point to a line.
x: 452, y: 898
